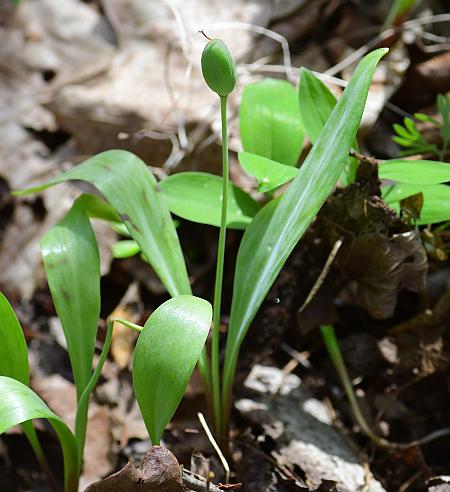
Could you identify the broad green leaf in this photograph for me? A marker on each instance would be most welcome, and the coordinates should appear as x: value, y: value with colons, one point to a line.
x: 97, y: 208
x: 125, y: 248
x: 316, y: 104
x: 436, y: 200
x: 165, y: 356
x: 270, y: 174
x: 275, y: 230
x: 198, y: 197
x: 131, y: 189
x: 72, y: 266
x: 19, y: 404
x: 415, y: 172
x: 269, y: 121
x: 13, y: 348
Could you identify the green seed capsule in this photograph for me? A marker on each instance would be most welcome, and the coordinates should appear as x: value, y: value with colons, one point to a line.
x: 218, y: 67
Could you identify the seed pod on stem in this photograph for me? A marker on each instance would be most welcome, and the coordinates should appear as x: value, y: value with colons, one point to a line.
x: 218, y: 67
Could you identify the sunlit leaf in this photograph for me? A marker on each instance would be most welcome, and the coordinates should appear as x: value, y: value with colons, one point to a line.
x: 198, y: 197
x: 131, y: 189
x: 269, y: 121
x: 275, y: 231
x: 125, y: 248
x: 20, y: 404
x: 165, y: 356
x: 415, y: 172
x: 270, y: 174
x: 436, y: 200
x: 316, y: 104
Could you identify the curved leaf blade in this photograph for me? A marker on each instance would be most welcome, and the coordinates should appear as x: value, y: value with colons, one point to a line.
x: 269, y: 121
x: 72, y: 266
x: 197, y: 197
x: 419, y: 172
x: 165, y: 356
x: 270, y: 174
x: 20, y: 404
x: 131, y: 189
x: 13, y: 347
x: 275, y: 231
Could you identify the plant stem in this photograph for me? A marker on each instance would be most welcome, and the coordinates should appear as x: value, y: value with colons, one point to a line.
x: 329, y: 337
x: 83, y: 402
x: 219, y: 271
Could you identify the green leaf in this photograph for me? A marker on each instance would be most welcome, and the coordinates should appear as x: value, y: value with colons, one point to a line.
x: 19, y: 404
x: 125, y: 248
x: 316, y: 104
x: 436, y: 200
x: 165, y: 356
x: 269, y: 121
x: 270, y: 174
x: 72, y: 265
x: 415, y: 172
x: 97, y: 208
x: 13, y: 348
x: 198, y: 197
x: 397, y: 10
x: 131, y: 189
x: 275, y: 230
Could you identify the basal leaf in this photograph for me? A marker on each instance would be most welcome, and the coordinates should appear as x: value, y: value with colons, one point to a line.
x: 316, y: 104
x: 19, y: 404
x: 13, y: 348
x: 275, y: 231
x: 415, y: 172
x: 269, y: 121
x: 125, y: 248
x: 165, y: 356
x: 97, y: 208
x: 436, y: 200
x: 270, y: 174
x: 131, y: 189
x: 198, y: 197
x: 72, y: 265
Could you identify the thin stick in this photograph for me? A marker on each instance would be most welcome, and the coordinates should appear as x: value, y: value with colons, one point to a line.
x: 208, y: 433
x: 219, y: 271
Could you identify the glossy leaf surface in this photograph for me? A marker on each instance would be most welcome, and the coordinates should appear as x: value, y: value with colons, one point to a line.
x: 270, y: 174
x: 198, y: 197
x: 436, y: 200
x: 269, y: 121
x: 131, y: 189
x: 415, y: 172
x: 316, y: 104
x: 275, y: 231
x: 72, y: 265
x: 19, y: 404
x: 165, y: 356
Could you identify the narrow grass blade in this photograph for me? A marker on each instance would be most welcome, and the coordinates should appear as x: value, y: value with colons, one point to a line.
x: 316, y: 104
x: 165, y: 356
x: 275, y: 231
x: 415, y: 172
x: 131, y: 189
x: 269, y: 121
x: 198, y: 197
x: 20, y: 404
x: 270, y: 174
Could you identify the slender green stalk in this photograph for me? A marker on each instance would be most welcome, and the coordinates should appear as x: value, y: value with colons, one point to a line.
x: 127, y: 323
x: 329, y: 337
x: 215, y: 371
x: 83, y: 403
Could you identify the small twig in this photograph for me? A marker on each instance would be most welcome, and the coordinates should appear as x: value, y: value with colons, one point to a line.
x: 204, y: 34
x: 364, y: 158
x: 208, y: 433
x: 320, y: 279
